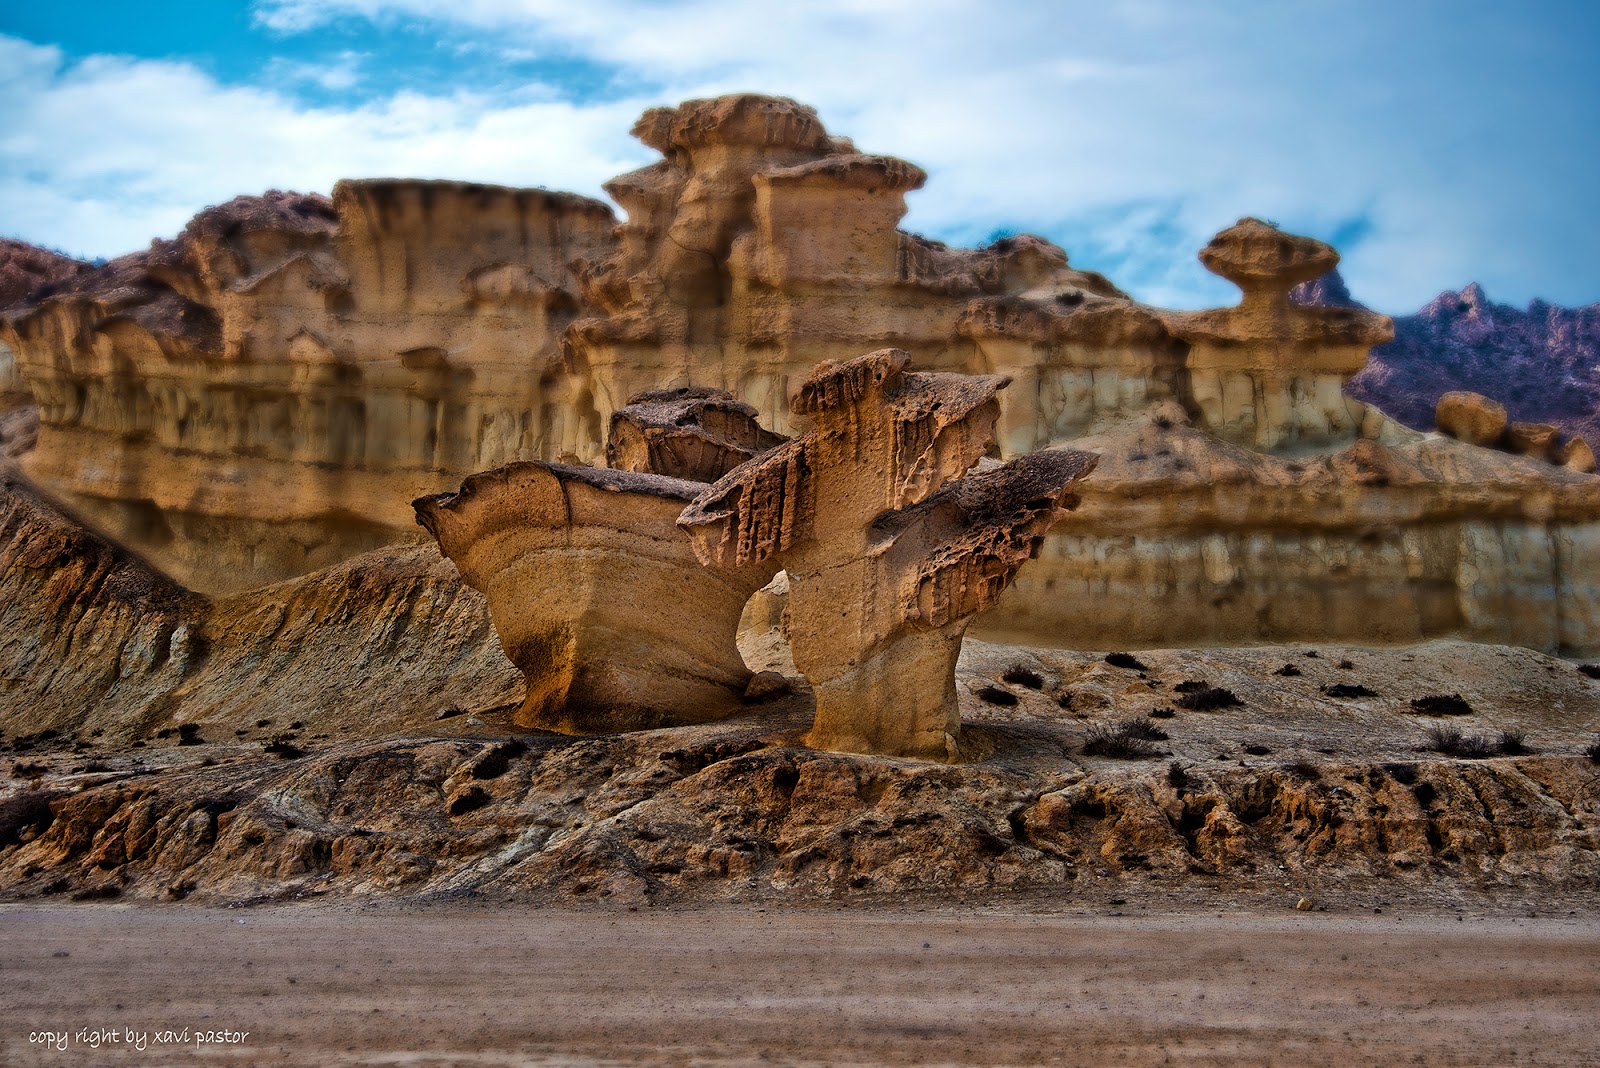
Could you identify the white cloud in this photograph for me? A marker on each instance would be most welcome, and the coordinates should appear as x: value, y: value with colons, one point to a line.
x: 112, y: 152
x: 1131, y: 129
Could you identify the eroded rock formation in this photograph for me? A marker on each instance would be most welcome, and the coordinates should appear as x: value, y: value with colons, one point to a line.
x: 261, y: 396
x: 255, y: 399
x: 887, y: 558
x: 595, y: 592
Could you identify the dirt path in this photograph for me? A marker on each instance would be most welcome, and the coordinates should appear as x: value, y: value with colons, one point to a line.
x: 448, y: 986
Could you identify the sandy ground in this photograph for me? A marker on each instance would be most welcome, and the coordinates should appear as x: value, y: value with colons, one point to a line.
x: 456, y: 985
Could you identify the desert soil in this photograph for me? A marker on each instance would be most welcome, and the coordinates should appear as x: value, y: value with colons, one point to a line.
x: 455, y: 984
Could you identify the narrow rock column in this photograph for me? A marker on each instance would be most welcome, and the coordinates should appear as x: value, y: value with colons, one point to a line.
x: 886, y: 562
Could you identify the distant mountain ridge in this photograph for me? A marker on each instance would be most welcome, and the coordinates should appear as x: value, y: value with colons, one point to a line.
x: 1542, y: 363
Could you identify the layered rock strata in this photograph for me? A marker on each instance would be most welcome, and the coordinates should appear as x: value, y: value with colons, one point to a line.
x: 257, y: 398
x: 263, y: 395
x: 888, y: 551
x: 95, y: 641
x: 595, y: 592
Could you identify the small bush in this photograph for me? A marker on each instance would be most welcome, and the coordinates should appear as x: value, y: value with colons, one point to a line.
x: 1442, y: 704
x: 1191, y: 686
x: 1123, y: 741
x: 282, y: 745
x: 1143, y: 728
x: 1347, y: 689
x: 1346, y: 665
x: 1207, y: 699
x: 1163, y: 713
x: 1451, y: 742
x: 996, y: 696
x: 1512, y: 743
x: 1177, y: 778
x: 1288, y: 671
x: 189, y: 734
x: 1126, y: 660
x: 1593, y: 752
x: 1023, y: 676
x: 1304, y: 769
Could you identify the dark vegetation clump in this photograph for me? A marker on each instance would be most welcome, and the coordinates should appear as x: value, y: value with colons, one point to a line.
x: 1512, y: 743
x: 1451, y: 742
x: 1304, y: 769
x: 1346, y: 665
x: 1593, y: 752
x: 1143, y: 728
x: 1207, y: 699
x: 1126, y: 660
x: 189, y: 734
x: 1191, y: 685
x: 1442, y: 704
x: 996, y: 696
x: 1404, y: 774
x: 282, y: 745
x: 1591, y: 670
x: 1127, y: 740
x: 1288, y: 671
x: 1177, y: 777
x: 1023, y: 676
x: 1348, y: 689
x: 1163, y: 713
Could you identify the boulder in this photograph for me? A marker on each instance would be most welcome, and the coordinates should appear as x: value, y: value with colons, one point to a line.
x: 1472, y: 418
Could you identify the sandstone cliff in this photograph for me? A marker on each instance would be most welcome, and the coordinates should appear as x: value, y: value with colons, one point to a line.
x: 265, y: 394
x: 261, y: 396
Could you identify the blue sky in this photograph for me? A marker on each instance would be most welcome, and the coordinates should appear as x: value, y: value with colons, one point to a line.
x: 1435, y: 143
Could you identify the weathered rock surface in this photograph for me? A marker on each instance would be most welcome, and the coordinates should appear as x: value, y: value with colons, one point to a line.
x: 597, y: 596
x: 692, y: 433
x: 1472, y: 418
x: 885, y: 567
x: 1295, y: 792
x: 261, y: 396
x: 96, y: 641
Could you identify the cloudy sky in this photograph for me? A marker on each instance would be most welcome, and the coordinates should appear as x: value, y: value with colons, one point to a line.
x: 1435, y: 143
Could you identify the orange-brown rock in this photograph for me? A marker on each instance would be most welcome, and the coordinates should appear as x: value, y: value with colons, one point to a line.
x: 1579, y: 456
x: 597, y: 596
x: 888, y: 551
x: 1539, y: 440
x: 692, y: 433
x: 1472, y: 418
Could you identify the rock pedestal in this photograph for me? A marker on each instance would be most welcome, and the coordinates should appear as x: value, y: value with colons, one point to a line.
x: 887, y: 563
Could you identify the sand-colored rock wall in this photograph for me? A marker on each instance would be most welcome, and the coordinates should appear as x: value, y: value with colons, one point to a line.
x: 265, y: 395
x: 262, y: 396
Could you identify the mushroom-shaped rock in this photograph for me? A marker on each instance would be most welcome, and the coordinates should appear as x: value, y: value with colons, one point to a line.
x: 696, y: 433
x: 597, y: 595
x: 1270, y: 373
x: 886, y: 563
x: 1472, y: 418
